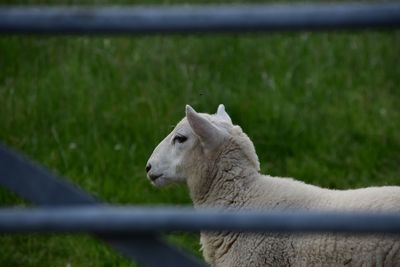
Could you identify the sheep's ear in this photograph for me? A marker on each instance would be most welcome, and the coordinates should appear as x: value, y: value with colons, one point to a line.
x: 223, y: 114
x: 209, y: 135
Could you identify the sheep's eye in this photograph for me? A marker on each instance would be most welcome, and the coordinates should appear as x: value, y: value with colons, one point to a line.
x: 179, y: 138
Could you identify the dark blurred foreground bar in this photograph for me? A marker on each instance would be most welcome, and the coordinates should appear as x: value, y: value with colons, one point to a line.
x: 124, y: 220
x: 39, y: 186
x: 196, y: 19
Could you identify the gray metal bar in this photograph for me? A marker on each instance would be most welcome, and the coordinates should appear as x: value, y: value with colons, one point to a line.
x: 190, y: 19
x: 125, y: 220
x: 36, y: 184
x: 39, y: 186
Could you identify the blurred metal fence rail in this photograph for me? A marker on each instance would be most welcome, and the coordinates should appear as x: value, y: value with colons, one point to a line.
x: 197, y: 18
x: 114, y: 220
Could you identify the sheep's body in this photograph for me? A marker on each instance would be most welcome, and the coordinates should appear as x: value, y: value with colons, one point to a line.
x: 226, y: 175
x: 243, y: 249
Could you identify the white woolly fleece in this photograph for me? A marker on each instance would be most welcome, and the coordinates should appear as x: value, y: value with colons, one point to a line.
x: 226, y: 175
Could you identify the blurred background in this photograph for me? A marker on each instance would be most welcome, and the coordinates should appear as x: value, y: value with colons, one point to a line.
x: 320, y: 107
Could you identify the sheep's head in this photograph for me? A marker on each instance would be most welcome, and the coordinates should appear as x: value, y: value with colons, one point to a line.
x: 194, y: 140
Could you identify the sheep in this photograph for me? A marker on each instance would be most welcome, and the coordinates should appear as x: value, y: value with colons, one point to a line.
x: 219, y: 164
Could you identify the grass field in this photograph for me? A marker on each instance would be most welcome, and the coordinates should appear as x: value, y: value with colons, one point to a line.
x: 321, y: 107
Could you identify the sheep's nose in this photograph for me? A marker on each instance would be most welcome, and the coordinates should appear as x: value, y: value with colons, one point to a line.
x: 148, y: 167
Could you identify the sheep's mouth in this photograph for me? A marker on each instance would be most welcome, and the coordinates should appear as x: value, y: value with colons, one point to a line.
x: 154, y: 177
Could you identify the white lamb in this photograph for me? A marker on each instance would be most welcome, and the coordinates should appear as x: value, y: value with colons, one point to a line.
x: 220, y: 166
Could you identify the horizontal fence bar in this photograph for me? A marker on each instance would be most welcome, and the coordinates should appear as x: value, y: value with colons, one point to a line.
x: 123, y: 220
x: 190, y: 19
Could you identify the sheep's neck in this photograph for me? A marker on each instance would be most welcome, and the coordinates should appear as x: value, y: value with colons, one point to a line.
x: 218, y: 185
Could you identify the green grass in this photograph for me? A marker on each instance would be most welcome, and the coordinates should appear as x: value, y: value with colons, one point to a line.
x: 320, y: 107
